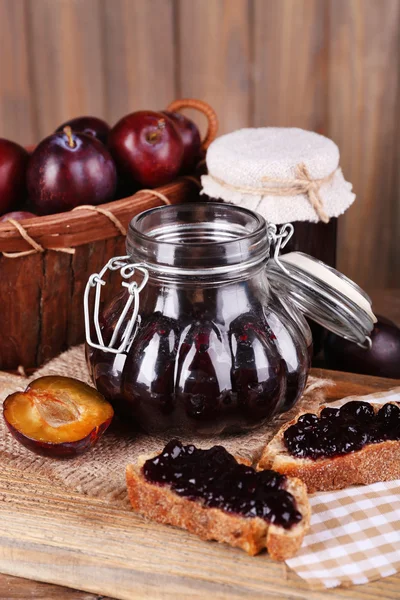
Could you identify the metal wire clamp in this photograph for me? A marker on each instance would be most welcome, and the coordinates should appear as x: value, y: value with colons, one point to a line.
x: 280, y: 239
x: 127, y: 270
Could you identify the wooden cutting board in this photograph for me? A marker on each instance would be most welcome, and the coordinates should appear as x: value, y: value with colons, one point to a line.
x: 48, y: 534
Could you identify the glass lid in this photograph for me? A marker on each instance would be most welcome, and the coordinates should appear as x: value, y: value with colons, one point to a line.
x: 322, y: 293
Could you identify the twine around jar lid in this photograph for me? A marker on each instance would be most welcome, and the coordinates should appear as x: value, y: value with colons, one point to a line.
x: 285, y: 174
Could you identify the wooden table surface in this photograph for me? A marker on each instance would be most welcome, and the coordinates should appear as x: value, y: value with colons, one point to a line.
x: 12, y: 588
x: 386, y: 303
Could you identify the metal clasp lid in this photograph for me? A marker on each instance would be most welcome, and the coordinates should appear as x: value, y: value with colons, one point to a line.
x: 127, y: 270
x: 280, y: 239
x: 320, y: 292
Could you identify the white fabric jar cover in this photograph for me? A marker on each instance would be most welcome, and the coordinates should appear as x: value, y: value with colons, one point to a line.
x: 285, y: 174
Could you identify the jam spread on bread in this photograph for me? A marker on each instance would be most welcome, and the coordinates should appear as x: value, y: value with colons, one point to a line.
x: 338, y: 431
x: 215, y: 478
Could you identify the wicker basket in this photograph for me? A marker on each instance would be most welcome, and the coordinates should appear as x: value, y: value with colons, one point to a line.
x: 42, y: 282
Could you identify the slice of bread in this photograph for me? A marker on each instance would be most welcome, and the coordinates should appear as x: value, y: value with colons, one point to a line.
x: 374, y: 462
x: 252, y: 534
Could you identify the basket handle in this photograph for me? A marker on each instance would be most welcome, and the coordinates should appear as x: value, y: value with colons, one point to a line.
x: 204, y: 108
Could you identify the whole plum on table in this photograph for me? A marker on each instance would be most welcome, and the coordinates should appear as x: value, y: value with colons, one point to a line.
x: 57, y: 416
x: 381, y: 360
x: 13, y: 162
x: 147, y: 148
x: 69, y: 169
x: 90, y: 125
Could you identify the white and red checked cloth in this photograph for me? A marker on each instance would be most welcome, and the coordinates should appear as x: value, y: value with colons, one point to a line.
x: 354, y: 536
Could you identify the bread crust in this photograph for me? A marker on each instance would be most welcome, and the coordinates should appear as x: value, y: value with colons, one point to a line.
x: 374, y: 462
x: 161, y: 504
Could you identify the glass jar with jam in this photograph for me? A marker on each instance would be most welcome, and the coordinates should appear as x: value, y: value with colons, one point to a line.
x: 208, y: 333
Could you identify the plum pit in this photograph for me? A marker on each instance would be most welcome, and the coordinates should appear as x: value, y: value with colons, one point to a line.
x: 55, y: 412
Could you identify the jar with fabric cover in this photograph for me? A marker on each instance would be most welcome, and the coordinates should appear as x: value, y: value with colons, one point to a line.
x: 286, y: 175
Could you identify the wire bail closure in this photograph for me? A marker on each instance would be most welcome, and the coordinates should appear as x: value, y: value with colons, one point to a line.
x: 280, y: 239
x: 127, y: 270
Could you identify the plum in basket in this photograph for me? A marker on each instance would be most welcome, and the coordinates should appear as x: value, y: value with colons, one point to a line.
x: 147, y: 148
x: 13, y: 161
x: 17, y: 215
x: 190, y: 136
x: 68, y: 169
x: 90, y: 125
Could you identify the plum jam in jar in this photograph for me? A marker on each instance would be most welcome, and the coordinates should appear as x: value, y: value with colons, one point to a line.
x: 206, y: 335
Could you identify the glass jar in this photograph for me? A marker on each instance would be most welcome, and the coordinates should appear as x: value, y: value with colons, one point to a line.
x: 198, y: 340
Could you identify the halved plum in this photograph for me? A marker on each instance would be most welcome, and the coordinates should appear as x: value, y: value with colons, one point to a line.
x: 57, y: 416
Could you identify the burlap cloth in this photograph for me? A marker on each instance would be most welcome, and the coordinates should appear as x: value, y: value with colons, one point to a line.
x: 101, y: 472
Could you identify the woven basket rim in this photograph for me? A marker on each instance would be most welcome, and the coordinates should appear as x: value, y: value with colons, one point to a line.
x: 75, y: 228
x: 67, y: 230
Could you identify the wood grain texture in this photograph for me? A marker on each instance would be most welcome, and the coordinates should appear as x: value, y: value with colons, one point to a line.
x: 78, y: 227
x: 290, y: 64
x: 66, y: 60
x: 290, y: 76
x: 327, y: 65
x: 65, y: 538
x: 20, y: 306
x: 17, y: 101
x: 214, y: 58
x: 139, y: 55
x: 349, y: 384
x: 42, y: 295
x: 54, y: 306
x: 17, y: 588
x: 364, y: 79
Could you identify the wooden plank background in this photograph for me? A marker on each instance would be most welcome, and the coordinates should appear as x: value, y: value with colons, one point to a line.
x: 326, y: 65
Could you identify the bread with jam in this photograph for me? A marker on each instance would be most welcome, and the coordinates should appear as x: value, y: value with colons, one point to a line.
x: 358, y: 443
x: 211, y: 494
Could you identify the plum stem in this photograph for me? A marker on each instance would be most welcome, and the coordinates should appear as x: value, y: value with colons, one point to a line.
x: 68, y: 132
x: 154, y: 136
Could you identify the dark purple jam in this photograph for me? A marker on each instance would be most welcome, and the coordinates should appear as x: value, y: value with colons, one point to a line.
x: 214, y: 477
x: 212, y: 361
x: 342, y: 430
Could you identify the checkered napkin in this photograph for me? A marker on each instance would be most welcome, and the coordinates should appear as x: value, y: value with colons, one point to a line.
x: 354, y: 536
